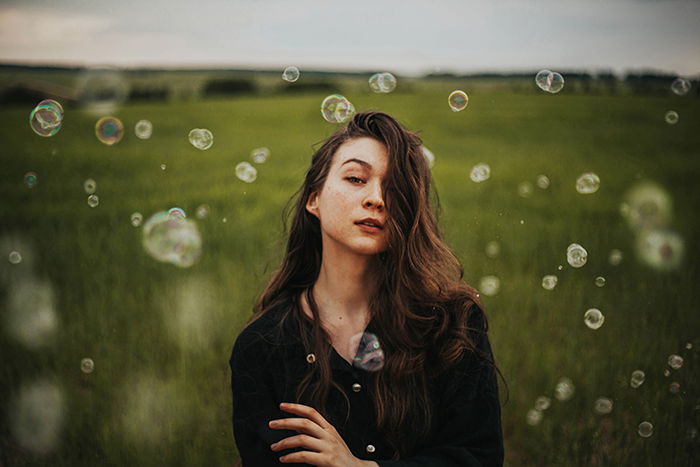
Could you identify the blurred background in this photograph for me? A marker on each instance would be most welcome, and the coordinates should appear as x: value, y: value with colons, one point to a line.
x: 150, y: 148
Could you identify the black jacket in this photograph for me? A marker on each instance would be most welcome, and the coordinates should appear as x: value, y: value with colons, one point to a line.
x: 268, y: 362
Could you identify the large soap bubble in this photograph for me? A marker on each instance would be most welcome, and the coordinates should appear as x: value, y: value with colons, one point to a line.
x: 337, y: 109
x: 382, y: 82
x: 172, y: 239
x: 46, y: 118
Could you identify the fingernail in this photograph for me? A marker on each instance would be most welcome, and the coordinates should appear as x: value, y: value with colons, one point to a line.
x: 273, y: 422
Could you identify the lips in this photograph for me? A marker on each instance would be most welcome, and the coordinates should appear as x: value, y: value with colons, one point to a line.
x: 370, y: 222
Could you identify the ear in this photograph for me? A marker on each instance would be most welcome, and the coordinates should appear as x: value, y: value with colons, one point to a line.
x: 312, y: 203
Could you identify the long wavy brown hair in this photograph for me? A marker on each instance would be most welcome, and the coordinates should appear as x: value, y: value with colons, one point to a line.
x: 420, y: 309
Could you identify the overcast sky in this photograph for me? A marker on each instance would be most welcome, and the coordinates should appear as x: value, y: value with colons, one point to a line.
x: 404, y: 36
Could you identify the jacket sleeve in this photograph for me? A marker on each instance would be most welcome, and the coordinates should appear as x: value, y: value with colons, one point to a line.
x: 469, y: 433
x: 255, y: 403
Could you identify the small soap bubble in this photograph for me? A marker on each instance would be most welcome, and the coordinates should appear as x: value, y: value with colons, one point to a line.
x: 489, y: 285
x: 87, y: 365
x: 543, y: 181
x: 90, y: 186
x: 576, y: 255
x: 674, y: 388
x: 593, y: 318
x: 522, y: 221
x: 46, y: 118
x: 560, y: 267
x: 542, y: 403
x: 671, y: 117
x: 675, y: 361
x: 549, y: 282
x: 637, y: 378
x: 30, y: 179
x: 172, y: 238
x: 680, y: 86
x: 177, y: 212
x: 525, y: 189
x: 549, y: 81
x: 163, y: 166
x: 93, y: 201
x: 260, y: 155
x: 557, y: 83
x: 600, y: 281
x: 369, y: 355
x: 290, y: 74
x: 615, y: 257
x: 336, y: 109
x: 201, y: 138
x: 15, y: 257
x: 202, y: 211
x: 534, y: 417
x: 645, y: 429
x: 564, y: 389
x: 109, y: 130
x: 603, y: 406
x: 493, y: 249
x: 587, y: 183
x: 458, y: 100
x: 143, y: 129
x: 480, y: 172
x: 382, y: 82
x: 246, y: 172
x: 224, y: 220
x: 136, y: 219
x: 663, y: 250
x: 688, y: 345
x: 667, y: 372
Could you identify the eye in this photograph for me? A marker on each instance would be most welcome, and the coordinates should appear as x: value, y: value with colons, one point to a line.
x: 354, y: 180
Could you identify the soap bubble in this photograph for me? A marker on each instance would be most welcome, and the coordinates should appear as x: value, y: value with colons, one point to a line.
x: 576, y: 255
x: 87, y: 365
x: 290, y: 74
x: 674, y: 388
x: 368, y: 353
x: 143, y: 129
x: 202, y: 211
x: 525, y: 189
x: 587, y: 183
x: 260, y: 155
x: 46, y: 118
x: 93, y: 201
x: 661, y: 249
x: 600, y: 281
x: 675, y: 361
x: 336, y: 109
x: 637, y: 378
x: 593, y: 318
x: 647, y: 206
x: 246, y: 172
x: 172, y: 239
x: 30, y: 310
x: 542, y: 403
x: 534, y: 417
x: 615, y: 257
x: 109, y: 130
x: 101, y: 90
x: 201, y: 138
x: 162, y: 166
x: 667, y: 372
x: 564, y: 389
x: 382, y: 82
x: 136, y: 219
x: 458, y: 100
x: 90, y: 186
x: 557, y: 83
x: 549, y: 81
x: 543, y: 181
x: 14, y: 257
x: 645, y: 429
x: 671, y: 117
x: 36, y: 416
x: 489, y: 285
x: 603, y: 406
x: 429, y: 156
x: 480, y: 172
x: 549, y: 282
x: 30, y: 179
x: 177, y: 212
x: 680, y: 86
x: 493, y: 249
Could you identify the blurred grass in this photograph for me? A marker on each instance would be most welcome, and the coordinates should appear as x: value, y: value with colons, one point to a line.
x: 161, y: 336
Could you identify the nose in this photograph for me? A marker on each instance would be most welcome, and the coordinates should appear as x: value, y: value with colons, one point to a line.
x: 374, y: 197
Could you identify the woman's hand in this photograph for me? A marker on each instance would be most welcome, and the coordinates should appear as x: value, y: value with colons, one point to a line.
x: 325, y: 446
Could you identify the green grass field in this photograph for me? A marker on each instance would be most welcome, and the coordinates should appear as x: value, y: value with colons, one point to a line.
x: 160, y: 336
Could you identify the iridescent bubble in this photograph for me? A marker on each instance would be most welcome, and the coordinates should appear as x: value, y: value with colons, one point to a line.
x: 549, y: 81
x: 101, y: 90
x: 93, y: 201
x: 576, y: 255
x: 30, y: 179
x: 87, y: 366
x: 489, y: 285
x: 557, y: 83
x: 542, y: 403
x: 143, y: 129
x: 36, y: 417
x: 615, y: 257
x: 674, y: 388
x: 14, y: 257
x: 136, y: 219
x: 246, y: 172
x: 603, y: 406
x: 534, y: 417
x: 645, y: 429
x: 480, y: 172
x: 382, y: 82
x: 593, y: 318
x: 671, y: 117
x: 564, y: 389
x: 201, y: 138
x: 90, y: 186
x: 661, y: 249
x: 587, y: 183
x: 260, y: 155
x: 290, y: 74
x: 172, y: 239
x: 336, y: 109
x: 429, y: 156
x: 493, y: 249
x: 647, y: 206
x: 369, y: 355
x: 543, y: 181
x: 549, y: 282
x: 525, y: 189
x: 109, y: 130
x: 600, y: 281
x: 458, y: 100
x: 177, y: 212
x: 680, y: 86
x: 46, y: 118
x: 675, y: 361
x: 637, y: 378
x: 202, y: 211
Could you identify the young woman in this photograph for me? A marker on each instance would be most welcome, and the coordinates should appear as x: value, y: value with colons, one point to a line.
x: 366, y: 348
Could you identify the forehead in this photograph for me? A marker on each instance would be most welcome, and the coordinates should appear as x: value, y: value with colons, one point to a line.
x: 364, y: 149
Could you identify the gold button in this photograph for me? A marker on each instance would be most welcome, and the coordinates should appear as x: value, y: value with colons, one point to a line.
x: 370, y: 448
x: 311, y: 358
x: 356, y: 387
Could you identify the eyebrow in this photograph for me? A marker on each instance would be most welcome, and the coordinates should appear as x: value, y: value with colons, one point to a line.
x: 359, y: 161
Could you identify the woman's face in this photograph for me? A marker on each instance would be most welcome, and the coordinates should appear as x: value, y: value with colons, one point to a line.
x: 350, y: 205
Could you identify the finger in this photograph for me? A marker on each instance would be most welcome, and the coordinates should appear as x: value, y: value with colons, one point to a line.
x: 305, y: 411
x: 304, y: 457
x: 302, y: 425
x: 299, y: 441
